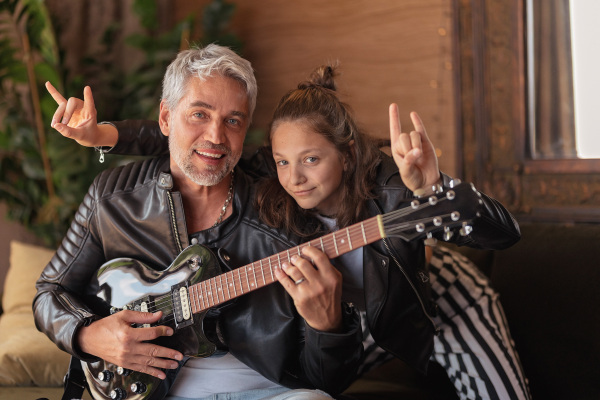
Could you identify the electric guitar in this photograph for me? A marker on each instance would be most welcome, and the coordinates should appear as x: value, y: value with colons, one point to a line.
x: 193, y: 284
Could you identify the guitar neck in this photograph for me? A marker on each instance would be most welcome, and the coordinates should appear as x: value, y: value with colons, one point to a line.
x: 232, y: 284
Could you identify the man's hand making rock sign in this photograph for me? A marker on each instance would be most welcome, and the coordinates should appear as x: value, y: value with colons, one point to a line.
x: 76, y: 119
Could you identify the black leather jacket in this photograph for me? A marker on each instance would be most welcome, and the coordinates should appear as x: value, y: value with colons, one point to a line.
x: 397, y: 290
x: 262, y: 328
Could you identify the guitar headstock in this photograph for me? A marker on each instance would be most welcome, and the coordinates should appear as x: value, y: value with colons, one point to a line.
x: 446, y: 210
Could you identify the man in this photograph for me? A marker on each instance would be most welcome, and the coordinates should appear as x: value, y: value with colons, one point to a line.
x: 151, y: 210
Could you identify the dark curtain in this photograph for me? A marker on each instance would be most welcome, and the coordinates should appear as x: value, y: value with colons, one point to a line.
x: 554, y: 136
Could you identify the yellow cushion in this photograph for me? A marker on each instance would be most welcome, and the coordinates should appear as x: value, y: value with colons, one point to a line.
x: 27, y: 356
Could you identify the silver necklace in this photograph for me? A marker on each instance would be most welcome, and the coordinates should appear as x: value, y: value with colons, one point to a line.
x: 226, y: 204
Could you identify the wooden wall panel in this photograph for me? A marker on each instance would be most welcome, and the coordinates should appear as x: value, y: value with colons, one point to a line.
x: 389, y: 51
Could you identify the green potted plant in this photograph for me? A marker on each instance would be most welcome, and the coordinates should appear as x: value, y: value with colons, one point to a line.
x: 44, y: 176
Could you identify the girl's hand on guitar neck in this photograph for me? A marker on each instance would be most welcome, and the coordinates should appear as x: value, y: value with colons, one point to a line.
x: 114, y: 340
x: 316, y: 289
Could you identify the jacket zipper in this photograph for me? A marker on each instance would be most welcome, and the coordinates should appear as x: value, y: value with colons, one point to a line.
x: 412, y: 286
x: 174, y: 221
x: 79, y: 311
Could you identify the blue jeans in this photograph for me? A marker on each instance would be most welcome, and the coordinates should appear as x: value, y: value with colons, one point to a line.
x: 265, y: 394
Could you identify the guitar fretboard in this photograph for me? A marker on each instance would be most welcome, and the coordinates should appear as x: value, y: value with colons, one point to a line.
x: 227, y: 286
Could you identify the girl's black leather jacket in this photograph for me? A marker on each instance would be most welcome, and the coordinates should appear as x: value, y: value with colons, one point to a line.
x: 132, y: 211
x: 396, y: 281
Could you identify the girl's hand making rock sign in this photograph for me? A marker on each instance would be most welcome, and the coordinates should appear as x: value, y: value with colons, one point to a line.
x: 413, y: 152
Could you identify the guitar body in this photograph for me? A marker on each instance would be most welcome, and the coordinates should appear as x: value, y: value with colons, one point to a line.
x: 128, y: 283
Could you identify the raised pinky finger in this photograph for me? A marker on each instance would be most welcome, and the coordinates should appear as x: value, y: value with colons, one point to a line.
x: 58, y: 114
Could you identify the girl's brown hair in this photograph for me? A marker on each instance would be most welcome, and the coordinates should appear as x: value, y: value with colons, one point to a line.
x: 315, y: 104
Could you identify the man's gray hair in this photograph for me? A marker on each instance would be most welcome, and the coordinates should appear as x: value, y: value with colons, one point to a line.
x: 203, y: 63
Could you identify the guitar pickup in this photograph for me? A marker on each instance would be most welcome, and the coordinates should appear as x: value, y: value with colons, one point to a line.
x: 181, y: 305
x: 144, y: 304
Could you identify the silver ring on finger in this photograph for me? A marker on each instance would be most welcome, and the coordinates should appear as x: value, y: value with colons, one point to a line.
x: 299, y: 281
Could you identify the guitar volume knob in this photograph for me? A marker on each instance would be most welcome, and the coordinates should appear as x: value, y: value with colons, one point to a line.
x: 138, y: 387
x: 105, y: 375
x: 117, y: 394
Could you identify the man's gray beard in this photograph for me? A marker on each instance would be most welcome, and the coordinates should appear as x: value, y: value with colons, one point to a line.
x: 207, y: 178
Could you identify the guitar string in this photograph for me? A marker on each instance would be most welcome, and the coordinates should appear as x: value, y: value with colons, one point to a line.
x: 163, y: 302
x: 243, y: 279
x: 409, y: 210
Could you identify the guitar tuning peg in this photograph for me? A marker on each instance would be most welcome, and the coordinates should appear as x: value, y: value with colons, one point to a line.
x: 448, y: 234
x: 475, y: 190
x: 454, y: 183
x: 466, y: 229
x: 430, y: 241
x: 433, y: 189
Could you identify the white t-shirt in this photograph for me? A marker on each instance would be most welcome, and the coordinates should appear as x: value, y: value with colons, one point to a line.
x: 351, y: 266
x: 201, y: 377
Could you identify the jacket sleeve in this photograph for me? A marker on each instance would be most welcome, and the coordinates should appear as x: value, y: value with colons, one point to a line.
x: 138, y: 138
x: 331, y: 360
x: 59, y: 307
x: 494, y: 229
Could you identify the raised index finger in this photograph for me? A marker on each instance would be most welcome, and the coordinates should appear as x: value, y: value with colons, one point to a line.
x: 55, y: 94
x: 395, y: 128
x: 88, y: 99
